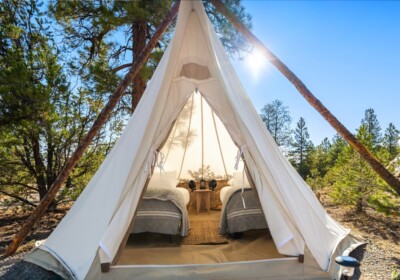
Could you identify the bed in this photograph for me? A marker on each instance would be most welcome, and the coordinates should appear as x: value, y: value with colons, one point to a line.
x: 241, y: 208
x: 163, y: 208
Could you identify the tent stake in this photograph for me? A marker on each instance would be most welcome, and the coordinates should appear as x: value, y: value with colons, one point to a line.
x: 99, y: 122
x: 312, y: 100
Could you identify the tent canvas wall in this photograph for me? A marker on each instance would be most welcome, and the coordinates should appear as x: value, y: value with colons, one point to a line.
x: 92, y: 231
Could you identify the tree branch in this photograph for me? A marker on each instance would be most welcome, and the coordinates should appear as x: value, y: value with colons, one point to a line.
x: 18, y: 198
x: 123, y: 66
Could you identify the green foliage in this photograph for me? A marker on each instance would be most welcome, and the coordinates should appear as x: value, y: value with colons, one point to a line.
x: 391, y: 140
x: 353, y: 180
x: 319, y: 162
x: 395, y: 274
x: 347, y: 177
x: 355, y: 183
x: 231, y: 39
x: 373, y: 129
x: 41, y: 119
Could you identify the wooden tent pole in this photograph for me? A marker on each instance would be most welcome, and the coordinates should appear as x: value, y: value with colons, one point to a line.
x: 306, y: 93
x: 98, y: 123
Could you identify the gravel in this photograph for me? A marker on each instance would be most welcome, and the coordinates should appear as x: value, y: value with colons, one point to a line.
x: 377, y: 263
x: 14, y: 268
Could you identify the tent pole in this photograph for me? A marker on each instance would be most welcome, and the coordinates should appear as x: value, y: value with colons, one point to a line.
x: 219, y: 144
x: 187, y: 137
x: 170, y: 144
x: 314, y: 102
x: 202, y: 137
x: 98, y: 123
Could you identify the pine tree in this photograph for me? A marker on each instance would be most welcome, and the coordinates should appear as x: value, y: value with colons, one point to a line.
x: 301, y: 149
x: 319, y: 164
x: 355, y: 183
x: 277, y: 119
x: 391, y: 140
x: 373, y: 128
x: 338, y: 144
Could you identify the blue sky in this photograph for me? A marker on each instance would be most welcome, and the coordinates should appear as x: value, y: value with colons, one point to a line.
x: 346, y: 52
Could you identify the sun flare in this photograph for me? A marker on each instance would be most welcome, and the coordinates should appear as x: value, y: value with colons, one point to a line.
x: 256, y: 62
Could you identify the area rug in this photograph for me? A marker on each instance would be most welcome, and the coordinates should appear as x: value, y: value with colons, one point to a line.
x: 204, y: 233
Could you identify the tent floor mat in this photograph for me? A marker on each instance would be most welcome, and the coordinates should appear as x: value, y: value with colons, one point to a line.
x: 147, y: 248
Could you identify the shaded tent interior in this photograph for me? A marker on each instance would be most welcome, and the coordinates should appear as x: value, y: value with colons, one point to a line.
x: 195, y: 66
x: 198, y: 147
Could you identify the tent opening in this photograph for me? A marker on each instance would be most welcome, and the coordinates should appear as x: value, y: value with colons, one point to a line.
x: 198, y: 223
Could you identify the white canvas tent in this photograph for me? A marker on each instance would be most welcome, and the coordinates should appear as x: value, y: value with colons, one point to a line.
x: 195, y: 61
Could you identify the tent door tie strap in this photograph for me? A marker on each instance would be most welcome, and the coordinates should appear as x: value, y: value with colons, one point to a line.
x: 151, y: 162
x: 244, y: 203
x: 160, y: 161
x: 239, y: 156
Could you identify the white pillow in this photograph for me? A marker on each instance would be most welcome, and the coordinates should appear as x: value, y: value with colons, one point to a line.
x: 186, y: 195
x: 240, y: 180
x: 165, y: 179
x: 224, y: 191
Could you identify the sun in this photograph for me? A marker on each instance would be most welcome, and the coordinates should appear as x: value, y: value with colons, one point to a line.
x: 256, y: 62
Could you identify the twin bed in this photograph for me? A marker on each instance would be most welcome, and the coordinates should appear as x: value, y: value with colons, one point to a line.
x: 163, y: 208
x: 241, y: 208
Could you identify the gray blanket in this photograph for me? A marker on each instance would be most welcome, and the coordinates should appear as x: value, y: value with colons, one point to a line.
x: 241, y: 211
x: 162, y: 210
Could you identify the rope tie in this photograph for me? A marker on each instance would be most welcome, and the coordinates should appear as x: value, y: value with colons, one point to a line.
x: 244, y: 203
x: 160, y: 161
x: 151, y: 162
x: 239, y: 157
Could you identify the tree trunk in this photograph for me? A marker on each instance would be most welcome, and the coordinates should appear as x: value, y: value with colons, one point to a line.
x: 306, y: 93
x: 139, y: 29
x: 101, y: 119
x: 359, y: 206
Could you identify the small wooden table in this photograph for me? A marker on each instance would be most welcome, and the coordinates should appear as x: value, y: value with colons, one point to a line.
x: 203, y: 195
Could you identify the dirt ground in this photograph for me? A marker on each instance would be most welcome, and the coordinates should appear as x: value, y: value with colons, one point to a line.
x: 380, y: 257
